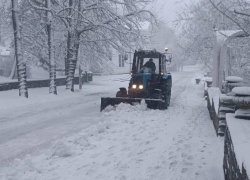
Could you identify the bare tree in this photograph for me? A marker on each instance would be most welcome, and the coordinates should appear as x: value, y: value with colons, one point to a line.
x: 238, y: 13
x: 196, y: 23
x: 50, y: 35
x: 116, y: 24
x: 52, y: 87
x: 51, y: 26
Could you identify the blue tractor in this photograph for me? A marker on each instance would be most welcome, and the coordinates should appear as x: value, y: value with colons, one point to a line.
x: 149, y: 81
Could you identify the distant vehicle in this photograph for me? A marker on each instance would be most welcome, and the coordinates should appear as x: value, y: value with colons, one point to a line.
x: 149, y: 81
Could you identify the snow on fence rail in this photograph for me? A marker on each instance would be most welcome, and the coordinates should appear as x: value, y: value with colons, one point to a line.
x: 207, y: 85
x: 35, y: 83
x: 230, y: 165
x: 238, y: 133
x: 231, y: 114
x: 237, y: 145
x: 213, y: 101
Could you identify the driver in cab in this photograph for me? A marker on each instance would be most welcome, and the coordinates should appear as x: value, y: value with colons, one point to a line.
x: 150, y: 65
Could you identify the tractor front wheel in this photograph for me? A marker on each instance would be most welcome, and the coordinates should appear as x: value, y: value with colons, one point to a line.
x: 166, y: 98
x: 157, y: 94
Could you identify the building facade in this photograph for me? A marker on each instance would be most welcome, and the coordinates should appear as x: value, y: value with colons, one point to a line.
x: 122, y: 62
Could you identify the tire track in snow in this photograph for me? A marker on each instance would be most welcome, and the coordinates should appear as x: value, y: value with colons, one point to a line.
x: 37, y: 130
x: 35, y: 149
x: 36, y: 125
x: 179, y: 88
x: 18, y: 117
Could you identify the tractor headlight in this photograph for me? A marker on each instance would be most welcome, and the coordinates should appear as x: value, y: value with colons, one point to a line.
x: 134, y: 86
x: 140, y: 86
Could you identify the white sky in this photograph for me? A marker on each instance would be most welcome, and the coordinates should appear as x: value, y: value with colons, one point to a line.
x: 166, y: 9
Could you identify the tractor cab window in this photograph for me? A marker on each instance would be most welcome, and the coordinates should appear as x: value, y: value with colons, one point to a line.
x: 146, y: 65
x: 150, y: 65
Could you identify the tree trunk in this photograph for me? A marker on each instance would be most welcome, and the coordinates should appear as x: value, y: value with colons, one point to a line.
x: 67, y: 54
x: 72, y: 56
x: 52, y: 64
x: 21, y: 66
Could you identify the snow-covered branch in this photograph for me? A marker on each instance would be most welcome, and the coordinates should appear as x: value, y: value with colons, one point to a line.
x: 38, y: 7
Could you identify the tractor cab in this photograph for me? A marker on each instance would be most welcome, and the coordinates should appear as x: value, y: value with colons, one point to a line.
x: 143, y: 57
x: 148, y: 69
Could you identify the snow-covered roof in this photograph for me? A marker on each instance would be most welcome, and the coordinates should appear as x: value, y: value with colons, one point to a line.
x: 227, y: 33
x: 224, y: 35
x: 240, y: 134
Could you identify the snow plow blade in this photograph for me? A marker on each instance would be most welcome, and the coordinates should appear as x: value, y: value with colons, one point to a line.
x: 106, y: 101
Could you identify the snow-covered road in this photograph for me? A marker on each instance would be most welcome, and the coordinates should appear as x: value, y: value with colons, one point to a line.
x: 68, y: 138
x: 27, y: 125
